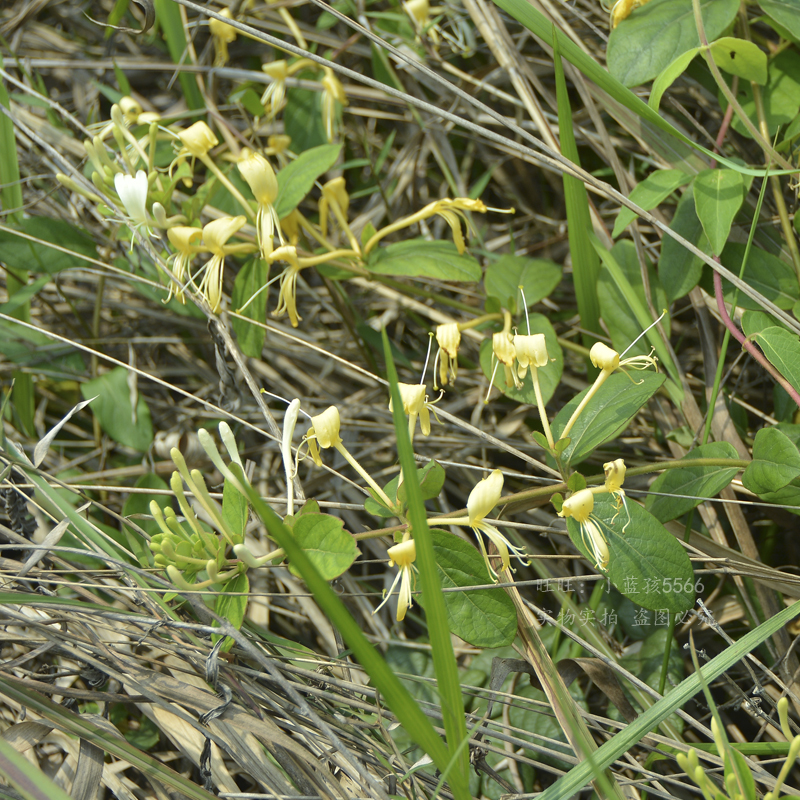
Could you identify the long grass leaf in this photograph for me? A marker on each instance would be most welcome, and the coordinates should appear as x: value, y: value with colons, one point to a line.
x: 585, y: 261
x: 169, y: 17
x: 444, y: 660
x: 620, y: 744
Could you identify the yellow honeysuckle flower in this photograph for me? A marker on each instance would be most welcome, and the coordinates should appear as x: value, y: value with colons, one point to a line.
x: 287, y: 295
x: 334, y: 197
x: 197, y: 140
x: 215, y: 237
x: 131, y: 109
x: 404, y: 555
x: 615, y: 475
x: 258, y: 173
x: 420, y: 13
x: 223, y: 34
x: 324, y: 433
x: 274, y: 94
x: 414, y: 404
x: 482, y: 499
x: 333, y: 93
x: 448, y: 337
x: 503, y: 352
x: 579, y: 506
x: 183, y: 239
x: 531, y: 351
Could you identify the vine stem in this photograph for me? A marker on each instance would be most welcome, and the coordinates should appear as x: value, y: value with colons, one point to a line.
x: 746, y: 343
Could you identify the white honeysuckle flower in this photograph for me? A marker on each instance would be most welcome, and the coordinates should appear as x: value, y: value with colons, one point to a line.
x: 404, y: 555
x: 132, y: 191
x: 579, y: 506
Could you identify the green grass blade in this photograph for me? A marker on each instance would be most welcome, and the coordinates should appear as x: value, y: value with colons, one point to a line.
x: 444, y: 660
x: 397, y: 697
x: 169, y: 17
x: 11, y: 202
x: 585, y: 261
x: 576, y: 778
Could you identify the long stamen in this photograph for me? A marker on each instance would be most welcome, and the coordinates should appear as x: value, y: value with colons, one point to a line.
x: 651, y: 325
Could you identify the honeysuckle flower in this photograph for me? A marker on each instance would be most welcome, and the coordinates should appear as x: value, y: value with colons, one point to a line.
x: 332, y: 93
x: 579, y: 506
x: 132, y: 192
x: 277, y: 144
x: 503, y: 352
x: 287, y: 295
x: 222, y: 34
x: 274, y: 94
x: 289, y: 423
x: 448, y: 337
x: 258, y: 173
x: 291, y: 225
x: 531, y: 352
x: 482, y: 499
x: 197, y: 139
x: 404, y: 555
x: 183, y: 239
x: 130, y: 109
x: 622, y: 10
x: 420, y: 13
x: 615, y: 475
x: 324, y: 433
x: 607, y: 360
x: 414, y: 397
x: 215, y: 238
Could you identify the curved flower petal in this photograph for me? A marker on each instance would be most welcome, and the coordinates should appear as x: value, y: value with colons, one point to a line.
x: 484, y: 497
x: 217, y: 232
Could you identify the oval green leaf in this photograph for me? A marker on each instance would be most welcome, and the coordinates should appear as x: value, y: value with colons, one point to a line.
x: 419, y: 257
x: 677, y: 491
x: 718, y: 196
x: 537, y: 277
x: 740, y: 57
x: 296, y: 179
x: 607, y: 414
x: 648, y: 565
x: 782, y: 351
x: 329, y: 548
x: 785, y: 13
x: 482, y: 617
x: 679, y: 269
x: 648, y: 194
x: 648, y: 41
x: 776, y: 462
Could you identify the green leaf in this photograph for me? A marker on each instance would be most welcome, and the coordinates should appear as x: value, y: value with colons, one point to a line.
x: 537, y: 276
x: 648, y: 565
x: 693, y: 483
x: 431, y: 479
x: 648, y: 194
x: 252, y: 278
x: 768, y: 274
x: 620, y: 319
x: 114, y: 411
x: 740, y: 57
x: 296, y: 179
x: 327, y: 545
x: 419, y: 257
x: 302, y: 116
x: 718, y: 196
x: 776, y: 462
x: 231, y: 605
x: 482, y: 617
x: 679, y: 269
x: 782, y: 351
x: 669, y: 75
x: 607, y: 414
x: 549, y: 376
x: 22, y: 254
x: 781, y: 97
x: 234, y: 506
x: 785, y: 13
x: 648, y: 41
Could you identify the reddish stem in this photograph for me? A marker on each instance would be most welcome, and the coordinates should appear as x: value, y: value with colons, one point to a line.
x: 746, y: 343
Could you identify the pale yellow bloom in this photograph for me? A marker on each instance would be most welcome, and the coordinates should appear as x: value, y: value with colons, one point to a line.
x: 215, y: 237
x: 223, y: 34
x: 404, y: 555
x: 183, y: 239
x: 420, y: 13
x: 258, y: 173
x: 531, y: 351
x: 414, y: 397
x: 332, y: 93
x: 482, y: 499
x: 197, y: 139
x: 603, y: 357
x: 130, y: 110
x: 448, y: 337
x: 615, y: 475
x: 323, y: 433
x: 287, y: 295
x: 503, y: 352
x: 274, y: 95
x: 579, y: 506
x: 336, y: 199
